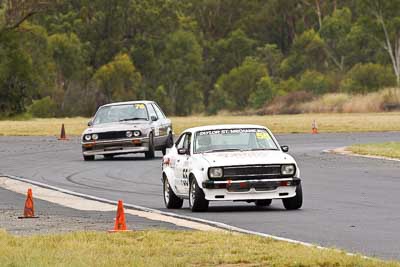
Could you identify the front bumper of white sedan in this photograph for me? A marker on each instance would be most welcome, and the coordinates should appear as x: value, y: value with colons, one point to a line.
x: 250, y: 189
x: 118, y: 146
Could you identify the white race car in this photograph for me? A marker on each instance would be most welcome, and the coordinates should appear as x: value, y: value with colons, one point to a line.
x: 230, y: 162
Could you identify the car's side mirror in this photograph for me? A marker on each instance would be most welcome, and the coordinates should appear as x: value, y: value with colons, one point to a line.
x: 285, y: 148
x: 182, y: 151
x: 90, y: 123
x: 153, y: 118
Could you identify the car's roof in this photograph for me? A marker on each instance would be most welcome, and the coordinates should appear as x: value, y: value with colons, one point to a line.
x: 129, y: 103
x: 224, y: 126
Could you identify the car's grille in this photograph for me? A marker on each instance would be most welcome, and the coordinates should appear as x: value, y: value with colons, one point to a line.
x: 252, y: 172
x: 112, y: 135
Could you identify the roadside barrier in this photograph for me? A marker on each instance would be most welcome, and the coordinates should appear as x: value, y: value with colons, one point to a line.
x: 314, y: 127
x: 63, y: 135
x: 29, y: 211
x: 120, y: 223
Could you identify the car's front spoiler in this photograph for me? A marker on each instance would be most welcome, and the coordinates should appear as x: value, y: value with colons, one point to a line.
x: 118, y: 146
x: 242, y: 185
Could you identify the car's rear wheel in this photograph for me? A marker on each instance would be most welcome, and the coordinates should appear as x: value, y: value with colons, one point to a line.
x: 170, y: 199
x: 150, y: 154
x: 197, y: 200
x: 168, y: 144
x: 294, y: 203
x: 88, y: 158
x: 263, y: 202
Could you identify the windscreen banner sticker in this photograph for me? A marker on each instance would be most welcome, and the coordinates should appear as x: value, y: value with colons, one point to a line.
x: 263, y: 135
x: 139, y: 106
x: 235, y: 131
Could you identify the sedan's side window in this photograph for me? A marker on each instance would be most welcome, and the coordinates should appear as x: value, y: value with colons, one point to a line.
x: 180, y: 143
x: 160, y: 114
x: 151, y: 111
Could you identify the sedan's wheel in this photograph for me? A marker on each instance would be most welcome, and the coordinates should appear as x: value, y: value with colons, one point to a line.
x: 88, y: 158
x: 150, y: 154
x: 170, y: 199
x: 295, y: 202
x: 197, y: 200
x: 263, y: 202
x: 169, y: 143
x: 170, y: 140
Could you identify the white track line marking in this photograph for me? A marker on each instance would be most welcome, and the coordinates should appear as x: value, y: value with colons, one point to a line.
x: 345, y: 152
x: 87, y: 202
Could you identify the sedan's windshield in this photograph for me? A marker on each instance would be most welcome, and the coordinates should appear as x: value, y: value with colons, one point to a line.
x: 120, y: 113
x: 233, y: 140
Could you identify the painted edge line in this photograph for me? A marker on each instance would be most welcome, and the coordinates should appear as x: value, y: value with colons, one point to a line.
x: 219, y: 225
x: 343, y: 151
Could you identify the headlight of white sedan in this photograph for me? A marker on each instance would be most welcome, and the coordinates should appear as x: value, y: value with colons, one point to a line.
x: 288, y: 169
x: 88, y: 137
x: 215, y: 172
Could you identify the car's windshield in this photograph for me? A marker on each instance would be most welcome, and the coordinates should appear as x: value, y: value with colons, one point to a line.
x: 233, y: 140
x: 120, y: 113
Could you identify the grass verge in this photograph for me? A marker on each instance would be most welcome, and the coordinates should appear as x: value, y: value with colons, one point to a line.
x: 167, y: 248
x: 390, y: 149
x: 338, y: 122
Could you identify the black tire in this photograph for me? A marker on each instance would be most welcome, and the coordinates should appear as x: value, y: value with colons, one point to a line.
x: 168, y: 144
x: 108, y: 156
x: 197, y: 200
x: 150, y: 154
x: 263, y: 202
x: 295, y: 202
x: 88, y: 158
x: 170, y: 199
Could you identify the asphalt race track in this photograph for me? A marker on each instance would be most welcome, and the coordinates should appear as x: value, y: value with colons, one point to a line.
x: 350, y: 203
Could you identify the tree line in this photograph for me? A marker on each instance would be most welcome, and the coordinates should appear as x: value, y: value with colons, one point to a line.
x: 67, y: 57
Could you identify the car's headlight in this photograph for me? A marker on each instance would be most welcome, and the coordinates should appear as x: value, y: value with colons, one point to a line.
x: 136, y: 133
x: 215, y: 172
x: 288, y: 169
x: 129, y: 134
x: 95, y: 136
x: 88, y: 137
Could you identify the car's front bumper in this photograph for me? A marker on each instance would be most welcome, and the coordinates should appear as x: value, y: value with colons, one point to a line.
x: 118, y: 146
x: 250, y: 189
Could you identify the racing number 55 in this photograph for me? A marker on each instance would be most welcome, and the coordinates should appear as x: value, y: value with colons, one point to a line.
x: 182, y: 163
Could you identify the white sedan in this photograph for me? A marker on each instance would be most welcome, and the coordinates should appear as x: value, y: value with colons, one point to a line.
x: 230, y: 162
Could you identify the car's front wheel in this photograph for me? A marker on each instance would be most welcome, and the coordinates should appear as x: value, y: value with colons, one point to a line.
x: 197, y: 200
x: 150, y: 154
x: 170, y: 199
x: 88, y: 158
x: 263, y: 202
x: 294, y: 203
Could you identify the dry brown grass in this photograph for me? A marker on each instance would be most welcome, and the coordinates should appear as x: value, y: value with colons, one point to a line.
x: 301, y: 123
x: 167, y: 248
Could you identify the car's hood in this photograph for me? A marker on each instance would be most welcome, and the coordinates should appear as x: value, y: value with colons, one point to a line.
x: 116, y: 126
x: 247, y: 158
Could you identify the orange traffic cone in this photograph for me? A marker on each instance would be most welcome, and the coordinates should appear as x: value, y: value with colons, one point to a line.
x: 29, y: 211
x: 120, y: 224
x: 63, y: 136
x: 314, y: 126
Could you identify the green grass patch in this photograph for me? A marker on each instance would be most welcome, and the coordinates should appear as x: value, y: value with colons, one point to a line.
x: 167, y: 248
x: 390, y: 149
x: 301, y: 123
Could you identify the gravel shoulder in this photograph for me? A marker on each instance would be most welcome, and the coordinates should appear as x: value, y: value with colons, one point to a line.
x: 54, y: 218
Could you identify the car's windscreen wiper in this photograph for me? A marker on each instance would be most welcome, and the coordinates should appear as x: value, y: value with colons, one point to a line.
x: 133, y: 119
x: 257, y: 149
x: 222, y: 150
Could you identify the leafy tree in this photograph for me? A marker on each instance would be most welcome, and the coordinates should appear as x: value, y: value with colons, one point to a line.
x: 232, y: 91
x: 118, y: 80
x: 181, y: 70
x: 363, y: 78
x: 265, y: 91
x: 314, y: 82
